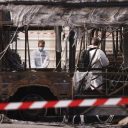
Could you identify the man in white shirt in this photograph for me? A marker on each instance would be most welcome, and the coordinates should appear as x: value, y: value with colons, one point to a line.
x: 40, y: 58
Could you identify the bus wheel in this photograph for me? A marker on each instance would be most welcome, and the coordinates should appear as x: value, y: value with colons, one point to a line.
x: 35, y: 114
x: 31, y: 94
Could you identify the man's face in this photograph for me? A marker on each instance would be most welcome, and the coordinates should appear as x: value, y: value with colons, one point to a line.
x: 41, y: 46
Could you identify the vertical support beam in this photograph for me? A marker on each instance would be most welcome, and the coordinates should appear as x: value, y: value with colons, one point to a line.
x: 27, y: 50
x: 5, y: 19
x: 125, y: 47
x: 66, y: 54
x: 1, y: 48
x: 121, y: 39
x: 26, y: 41
x: 96, y: 33
x: 103, y: 40
x: 117, y: 50
x: 91, y: 35
x: 58, y: 30
x: 114, y: 47
x: 83, y: 40
x: 16, y: 43
x: 72, y: 50
x: 29, y: 61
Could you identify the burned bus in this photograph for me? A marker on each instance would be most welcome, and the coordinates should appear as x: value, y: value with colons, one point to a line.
x: 85, y: 20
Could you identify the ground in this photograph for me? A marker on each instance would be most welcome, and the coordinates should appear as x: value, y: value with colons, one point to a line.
x: 56, y: 126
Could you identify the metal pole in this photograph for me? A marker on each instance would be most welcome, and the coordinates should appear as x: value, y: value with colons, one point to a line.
x: 29, y: 60
x: 16, y: 44
x: 117, y: 34
x: 103, y: 39
x: 114, y: 47
x: 121, y: 39
x: 26, y: 40
x: 58, y: 47
x: 72, y: 50
x: 125, y: 46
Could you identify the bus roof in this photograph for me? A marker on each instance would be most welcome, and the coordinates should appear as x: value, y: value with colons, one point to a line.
x: 98, y: 13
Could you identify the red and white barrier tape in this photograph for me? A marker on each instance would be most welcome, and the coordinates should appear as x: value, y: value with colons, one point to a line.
x: 63, y: 103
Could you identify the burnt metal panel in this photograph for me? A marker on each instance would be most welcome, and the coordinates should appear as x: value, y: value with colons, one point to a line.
x: 58, y: 83
x: 49, y: 15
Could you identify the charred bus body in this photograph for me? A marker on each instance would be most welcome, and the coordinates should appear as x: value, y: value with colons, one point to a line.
x: 19, y: 83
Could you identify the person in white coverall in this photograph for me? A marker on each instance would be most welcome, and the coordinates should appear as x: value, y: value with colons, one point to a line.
x: 40, y: 58
x: 98, y: 59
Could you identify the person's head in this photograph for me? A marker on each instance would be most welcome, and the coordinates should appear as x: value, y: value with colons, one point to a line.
x: 41, y: 45
x: 95, y: 41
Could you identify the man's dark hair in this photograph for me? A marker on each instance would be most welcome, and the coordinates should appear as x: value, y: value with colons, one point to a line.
x: 41, y: 42
x: 95, y: 41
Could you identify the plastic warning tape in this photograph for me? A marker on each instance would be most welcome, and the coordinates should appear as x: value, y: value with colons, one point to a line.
x: 63, y: 103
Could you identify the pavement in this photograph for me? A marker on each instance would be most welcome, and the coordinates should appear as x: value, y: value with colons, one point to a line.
x: 53, y: 125
x: 5, y: 122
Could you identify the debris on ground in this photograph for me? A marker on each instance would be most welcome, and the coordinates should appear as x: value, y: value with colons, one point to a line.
x: 123, y: 121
